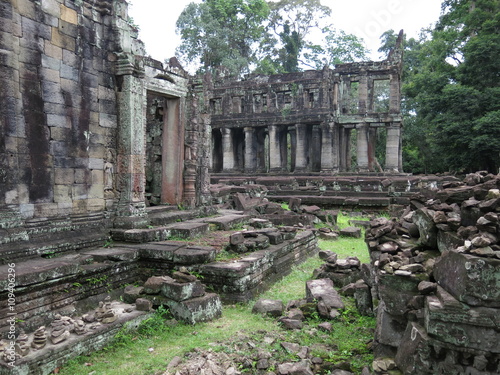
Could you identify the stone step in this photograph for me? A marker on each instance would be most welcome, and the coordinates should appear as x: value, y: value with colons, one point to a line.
x: 175, y: 252
x: 326, y: 201
x: 164, y: 215
x: 189, y: 230
x: 228, y: 222
x: 60, y: 244
x: 160, y: 233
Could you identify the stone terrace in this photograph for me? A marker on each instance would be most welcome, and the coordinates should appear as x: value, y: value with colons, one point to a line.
x: 72, y: 282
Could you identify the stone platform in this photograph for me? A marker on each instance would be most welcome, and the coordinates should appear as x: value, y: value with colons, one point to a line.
x: 355, y: 191
x: 45, y: 360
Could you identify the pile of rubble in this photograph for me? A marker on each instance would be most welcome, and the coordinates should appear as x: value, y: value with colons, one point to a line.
x: 252, y: 240
x: 183, y: 294
x: 245, y: 355
x: 436, y: 272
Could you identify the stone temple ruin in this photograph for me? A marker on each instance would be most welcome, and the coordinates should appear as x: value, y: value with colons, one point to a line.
x: 100, y: 143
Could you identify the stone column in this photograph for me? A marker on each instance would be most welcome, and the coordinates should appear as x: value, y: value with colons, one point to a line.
x: 335, y: 132
x: 372, y: 144
x: 131, y: 146
x: 293, y: 146
x: 227, y: 150
x: 326, y: 147
x: 315, y: 149
x: 343, y: 149
x: 392, y: 150
x: 301, y: 149
x: 250, y: 150
x: 363, y: 94
x: 362, y: 147
x: 274, y: 149
x: 395, y: 94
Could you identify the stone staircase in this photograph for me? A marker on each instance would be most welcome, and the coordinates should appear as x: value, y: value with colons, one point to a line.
x: 74, y: 280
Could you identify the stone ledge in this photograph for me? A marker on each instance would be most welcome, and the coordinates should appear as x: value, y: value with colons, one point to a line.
x: 44, y: 361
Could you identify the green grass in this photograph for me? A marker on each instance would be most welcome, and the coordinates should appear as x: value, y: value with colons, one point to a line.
x: 345, y: 246
x: 347, y: 343
x: 293, y: 286
x: 129, y: 353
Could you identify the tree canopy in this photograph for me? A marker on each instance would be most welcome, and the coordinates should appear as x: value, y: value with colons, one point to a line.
x: 451, y: 90
x: 264, y: 37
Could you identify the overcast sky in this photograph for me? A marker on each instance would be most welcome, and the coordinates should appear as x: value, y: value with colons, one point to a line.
x: 367, y: 19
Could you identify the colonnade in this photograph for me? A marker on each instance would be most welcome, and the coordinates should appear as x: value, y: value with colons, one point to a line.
x: 324, y: 147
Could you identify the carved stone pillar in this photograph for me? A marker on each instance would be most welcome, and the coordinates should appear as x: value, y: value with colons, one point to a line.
x: 274, y: 149
x: 250, y: 150
x: 392, y: 150
x: 372, y: 144
x: 301, y: 148
x: 335, y: 134
x: 131, y: 174
x: 362, y: 147
x: 227, y: 150
x: 326, y: 147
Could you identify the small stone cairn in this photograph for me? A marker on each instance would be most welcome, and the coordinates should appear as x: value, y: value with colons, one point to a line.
x: 39, y: 338
x: 61, y: 327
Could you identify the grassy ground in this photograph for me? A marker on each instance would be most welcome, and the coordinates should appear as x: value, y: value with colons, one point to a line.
x: 149, y: 350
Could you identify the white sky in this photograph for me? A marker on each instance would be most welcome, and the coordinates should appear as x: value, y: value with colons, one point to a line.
x: 367, y: 19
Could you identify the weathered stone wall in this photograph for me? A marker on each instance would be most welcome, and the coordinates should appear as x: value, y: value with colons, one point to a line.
x: 437, y: 275
x: 58, y: 103
x: 77, y: 127
x: 59, y: 118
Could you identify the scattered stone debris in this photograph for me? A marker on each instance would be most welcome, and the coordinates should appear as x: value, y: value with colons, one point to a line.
x: 436, y: 273
x: 182, y: 293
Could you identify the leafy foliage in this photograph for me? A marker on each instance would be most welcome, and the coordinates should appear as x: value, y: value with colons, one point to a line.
x: 222, y: 33
x: 263, y: 37
x: 452, y: 90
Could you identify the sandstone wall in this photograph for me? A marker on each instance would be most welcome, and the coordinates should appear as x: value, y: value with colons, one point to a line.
x: 58, y: 105
x: 74, y: 89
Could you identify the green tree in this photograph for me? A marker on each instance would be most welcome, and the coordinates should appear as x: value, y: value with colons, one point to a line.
x: 452, y: 90
x: 222, y: 33
x: 289, y: 25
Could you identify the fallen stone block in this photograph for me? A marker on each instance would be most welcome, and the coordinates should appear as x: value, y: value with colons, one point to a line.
x: 188, y: 230
x: 322, y: 290
x: 182, y: 291
x: 195, y: 310
x: 470, y: 279
x: 143, y: 304
x: 413, y: 352
x: 423, y: 218
x: 478, y: 326
x: 351, y: 232
x: 131, y: 293
x: 194, y: 255
x: 154, y: 284
x: 397, y: 291
x: 363, y: 297
x: 292, y: 323
x: 269, y: 307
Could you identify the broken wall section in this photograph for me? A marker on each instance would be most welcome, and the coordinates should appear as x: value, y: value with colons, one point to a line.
x: 437, y: 275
